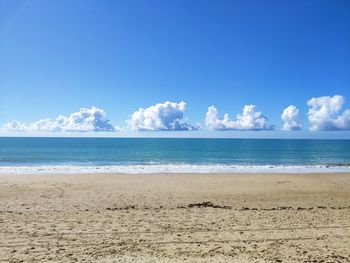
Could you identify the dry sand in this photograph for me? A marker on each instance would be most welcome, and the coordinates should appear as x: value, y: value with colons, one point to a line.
x: 175, y: 218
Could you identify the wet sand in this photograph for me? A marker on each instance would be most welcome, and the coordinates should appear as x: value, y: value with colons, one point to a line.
x: 175, y: 218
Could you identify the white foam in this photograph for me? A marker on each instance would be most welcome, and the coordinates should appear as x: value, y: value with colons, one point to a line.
x: 174, y: 168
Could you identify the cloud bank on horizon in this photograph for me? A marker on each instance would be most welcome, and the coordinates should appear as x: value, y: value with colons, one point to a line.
x: 167, y: 116
x: 290, y: 117
x: 250, y: 119
x: 85, y: 120
x: 324, y: 114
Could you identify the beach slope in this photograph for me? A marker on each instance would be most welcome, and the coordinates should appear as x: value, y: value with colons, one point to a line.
x: 175, y: 218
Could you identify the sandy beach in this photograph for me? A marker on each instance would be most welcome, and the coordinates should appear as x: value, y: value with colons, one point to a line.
x: 175, y: 218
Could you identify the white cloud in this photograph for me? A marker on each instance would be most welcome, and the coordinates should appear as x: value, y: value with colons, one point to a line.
x: 324, y: 114
x: 85, y: 120
x: 290, y: 116
x: 14, y: 126
x: 167, y: 116
x: 250, y: 119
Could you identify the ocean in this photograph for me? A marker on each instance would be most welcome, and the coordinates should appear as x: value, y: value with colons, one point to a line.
x: 141, y: 155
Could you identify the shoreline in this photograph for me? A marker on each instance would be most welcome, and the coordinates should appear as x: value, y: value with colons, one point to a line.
x: 175, y: 173
x: 174, y: 168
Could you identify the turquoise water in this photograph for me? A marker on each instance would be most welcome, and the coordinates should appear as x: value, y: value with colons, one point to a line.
x: 172, y: 155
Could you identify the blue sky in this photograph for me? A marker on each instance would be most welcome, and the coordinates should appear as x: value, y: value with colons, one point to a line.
x: 59, y: 56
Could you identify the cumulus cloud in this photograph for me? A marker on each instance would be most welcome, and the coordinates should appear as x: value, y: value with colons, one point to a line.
x: 324, y: 114
x: 290, y: 116
x: 85, y: 120
x: 167, y: 116
x: 15, y: 126
x: 250, y: 119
